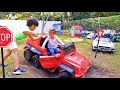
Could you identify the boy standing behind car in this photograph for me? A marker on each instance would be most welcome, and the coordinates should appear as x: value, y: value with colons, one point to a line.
x: 13, y: 48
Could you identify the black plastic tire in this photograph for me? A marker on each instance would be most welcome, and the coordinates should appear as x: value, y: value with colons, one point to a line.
x: 64, y: 74
x: 112, y: 52
x: 35, y: 61
x: 93, y: 49
x: 28, y: 55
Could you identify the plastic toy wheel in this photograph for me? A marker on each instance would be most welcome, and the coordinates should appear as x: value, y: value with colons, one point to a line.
x: 112, y: 52
x: 28, y: 55
x: 64, y: 74
x: 35, y: 61
x: 93, y: 49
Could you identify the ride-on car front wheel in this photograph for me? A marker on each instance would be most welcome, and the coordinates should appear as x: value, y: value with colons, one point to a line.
x: 64, y: 74
x: 35, y: 60
x: 28, y: 55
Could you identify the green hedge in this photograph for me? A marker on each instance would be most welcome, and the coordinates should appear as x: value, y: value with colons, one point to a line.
x: 112, y: 22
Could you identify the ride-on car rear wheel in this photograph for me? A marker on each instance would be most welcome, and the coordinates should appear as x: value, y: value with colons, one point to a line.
x: 35, y: 60
x: 64, y: 74
x: 28, y: 55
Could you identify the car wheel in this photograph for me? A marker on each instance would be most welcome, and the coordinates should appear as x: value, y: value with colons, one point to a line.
x: 64, y: 74
x: 112, y: 52
x: 28, y: 55
x: 35, y: 61
x: 93, y: 49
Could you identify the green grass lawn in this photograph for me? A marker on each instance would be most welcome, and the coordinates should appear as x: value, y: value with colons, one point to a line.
x: 105, y: 61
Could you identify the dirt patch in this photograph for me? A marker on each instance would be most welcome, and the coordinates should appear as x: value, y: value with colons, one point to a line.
x: 98, y: 72
x: 95, y: 72
x: 33, y: 72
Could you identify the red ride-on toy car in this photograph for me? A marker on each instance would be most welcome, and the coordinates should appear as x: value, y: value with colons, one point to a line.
x: 69, y: 62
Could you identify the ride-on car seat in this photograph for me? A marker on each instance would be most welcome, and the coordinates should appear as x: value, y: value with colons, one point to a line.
x: 46, y: 46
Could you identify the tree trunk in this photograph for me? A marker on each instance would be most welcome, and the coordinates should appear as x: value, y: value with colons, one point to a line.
x: 44, y: 22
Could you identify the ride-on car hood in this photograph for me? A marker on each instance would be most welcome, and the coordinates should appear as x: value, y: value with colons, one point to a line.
x: 76, y: 59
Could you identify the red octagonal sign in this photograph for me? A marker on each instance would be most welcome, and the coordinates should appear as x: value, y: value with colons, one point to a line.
x: 6, y: 36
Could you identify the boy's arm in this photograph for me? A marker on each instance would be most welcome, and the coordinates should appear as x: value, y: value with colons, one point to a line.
x: 31, y: 35
x: 60, y: 41
x: 35, y: 35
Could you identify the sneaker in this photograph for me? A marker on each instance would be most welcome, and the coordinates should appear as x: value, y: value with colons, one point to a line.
x: 18, y: 71
x: 4, y: 65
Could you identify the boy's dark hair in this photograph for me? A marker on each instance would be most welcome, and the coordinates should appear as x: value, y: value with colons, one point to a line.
x: 32, y: 21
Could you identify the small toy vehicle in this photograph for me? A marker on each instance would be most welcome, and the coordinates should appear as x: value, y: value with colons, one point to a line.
x: 69, y: 62
x: 116, y: 38
x: 105, y: 45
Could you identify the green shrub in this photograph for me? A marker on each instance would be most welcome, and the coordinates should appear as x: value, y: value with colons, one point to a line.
x: 112, y: 22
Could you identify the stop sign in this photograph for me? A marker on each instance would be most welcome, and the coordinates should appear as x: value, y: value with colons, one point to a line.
x: 100, y: 33
x: 6, y: 36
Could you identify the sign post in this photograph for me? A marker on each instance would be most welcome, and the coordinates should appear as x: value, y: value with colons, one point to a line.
x: 100, y: 33
x: 3, y: 70
x: 6, y: 37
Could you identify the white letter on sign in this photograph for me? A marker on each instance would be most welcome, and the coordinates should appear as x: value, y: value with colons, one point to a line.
x: 7, y: 36
x: 3, y: 37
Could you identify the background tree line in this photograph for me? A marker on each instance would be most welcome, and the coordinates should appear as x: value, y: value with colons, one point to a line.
x: 89, y: 20
x: 59, y: 16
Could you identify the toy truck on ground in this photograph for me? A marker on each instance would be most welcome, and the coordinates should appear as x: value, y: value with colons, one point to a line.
x: 69, y: 63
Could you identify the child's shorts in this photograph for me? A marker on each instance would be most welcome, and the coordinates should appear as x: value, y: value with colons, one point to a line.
x: 13, y: 45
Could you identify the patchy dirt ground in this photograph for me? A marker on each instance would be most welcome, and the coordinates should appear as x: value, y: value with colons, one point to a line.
x: 95, y: 72
x: 33, y: 72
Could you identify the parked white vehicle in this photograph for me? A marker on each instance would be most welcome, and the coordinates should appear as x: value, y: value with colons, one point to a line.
x: 105, y: 44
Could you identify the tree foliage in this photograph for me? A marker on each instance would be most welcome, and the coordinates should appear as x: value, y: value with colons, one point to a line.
x: 81, y: 15
x: 58, y: 16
